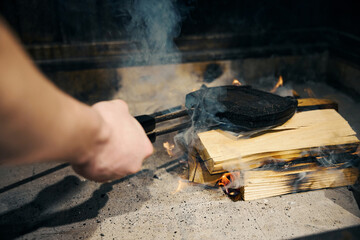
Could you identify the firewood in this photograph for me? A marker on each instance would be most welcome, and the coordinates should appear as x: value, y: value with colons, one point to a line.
x: 268, y: 183
x: 198, y: 173
x: 197, y: 170
x: 306, y: 104
x: 286, y: 149
x: 310, y: 132
x: 272, y: 181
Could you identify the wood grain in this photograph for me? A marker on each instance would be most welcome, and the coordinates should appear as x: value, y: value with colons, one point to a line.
x: 310, y: 131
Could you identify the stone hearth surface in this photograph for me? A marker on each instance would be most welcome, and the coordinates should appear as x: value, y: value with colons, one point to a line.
x: 146, y: 205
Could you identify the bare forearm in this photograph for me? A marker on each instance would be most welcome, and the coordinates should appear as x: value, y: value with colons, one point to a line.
x: 37, y: 121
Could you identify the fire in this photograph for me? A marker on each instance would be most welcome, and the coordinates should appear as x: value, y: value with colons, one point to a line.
x: 294, y: 93
x: 169, y: 147
x: 309, y: 92
x: 226, y: 181
x: 279, y: 83
x: 357, y: 152
x: 236, y: 83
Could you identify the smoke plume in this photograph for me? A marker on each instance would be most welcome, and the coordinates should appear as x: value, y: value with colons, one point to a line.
x: 153, y: 26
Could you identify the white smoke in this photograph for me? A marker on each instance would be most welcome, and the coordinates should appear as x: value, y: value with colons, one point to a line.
x: 153, y: 26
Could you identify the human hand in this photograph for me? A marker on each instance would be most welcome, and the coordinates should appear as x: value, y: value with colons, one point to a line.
x: 122, y: 145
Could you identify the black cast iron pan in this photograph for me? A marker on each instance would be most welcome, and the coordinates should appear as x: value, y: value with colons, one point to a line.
x: 236, y: 108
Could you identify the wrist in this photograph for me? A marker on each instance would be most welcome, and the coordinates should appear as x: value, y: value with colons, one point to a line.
x: 97, y: 135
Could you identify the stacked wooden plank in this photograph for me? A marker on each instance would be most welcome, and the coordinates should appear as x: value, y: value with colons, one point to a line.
x: 310, y: 151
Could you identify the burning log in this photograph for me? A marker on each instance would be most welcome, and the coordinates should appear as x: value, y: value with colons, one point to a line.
x: 311, y: 132
x: 313, y: 150
x: 198, y: 173
x: 255, y: 184
x: 276, y: 178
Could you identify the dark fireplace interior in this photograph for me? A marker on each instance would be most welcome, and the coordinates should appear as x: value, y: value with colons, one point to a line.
x: 79, y: 44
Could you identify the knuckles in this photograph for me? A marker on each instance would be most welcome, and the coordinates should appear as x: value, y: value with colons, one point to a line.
x: 121, y: 104
x: 135, y: 147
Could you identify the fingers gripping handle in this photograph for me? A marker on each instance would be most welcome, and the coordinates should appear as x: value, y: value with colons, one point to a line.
x: 148, y: 123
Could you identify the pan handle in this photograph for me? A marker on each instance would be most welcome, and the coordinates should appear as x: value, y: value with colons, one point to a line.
x: 147, y: 122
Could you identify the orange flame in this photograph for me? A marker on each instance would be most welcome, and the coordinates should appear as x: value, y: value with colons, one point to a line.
x: 279, y: 83
x: 236, y: 83
x: 309, y: 92
x: 357, y: 152
x: 169, y: 147
x: 226, y: 180
x: 294, y: 93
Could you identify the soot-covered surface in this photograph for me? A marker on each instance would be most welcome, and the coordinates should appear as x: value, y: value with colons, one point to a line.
x: 61, y: 205
x: 240, y: 107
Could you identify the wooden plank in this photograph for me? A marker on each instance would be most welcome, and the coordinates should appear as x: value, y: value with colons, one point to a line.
x: 198, y: 172
x: 307, y: 104
x: 305, y: 132
x: 263, y: 184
